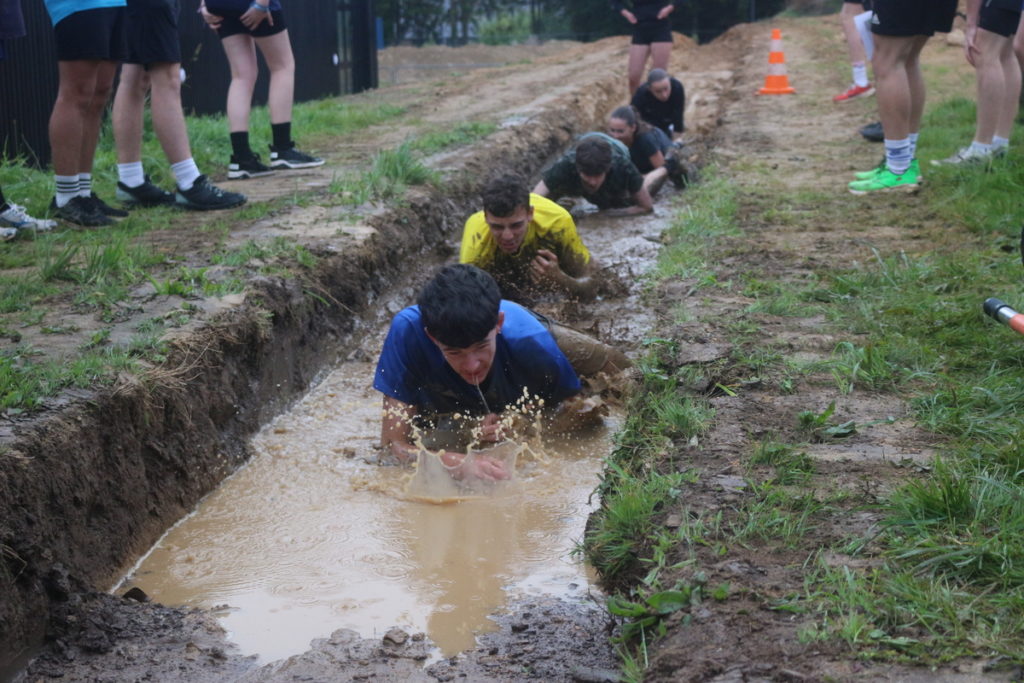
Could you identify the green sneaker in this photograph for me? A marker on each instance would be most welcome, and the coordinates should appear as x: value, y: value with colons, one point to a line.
x: 885, y: 180
x: 864, y: 175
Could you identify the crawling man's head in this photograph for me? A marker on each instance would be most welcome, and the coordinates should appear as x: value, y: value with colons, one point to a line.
x: 593, y: 161
x: 460, y: 312
x: 507, y: 210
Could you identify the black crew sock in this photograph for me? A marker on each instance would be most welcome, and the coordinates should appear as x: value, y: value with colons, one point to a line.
x: 240, y: 145
x: 282, y: 133
x: 3, y: 202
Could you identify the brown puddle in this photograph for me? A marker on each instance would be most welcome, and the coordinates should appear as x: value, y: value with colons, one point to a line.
x: 309, y: 537
x: 312, y: 535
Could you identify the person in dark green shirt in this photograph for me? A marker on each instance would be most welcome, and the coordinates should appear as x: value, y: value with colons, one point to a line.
x: 598, y: 168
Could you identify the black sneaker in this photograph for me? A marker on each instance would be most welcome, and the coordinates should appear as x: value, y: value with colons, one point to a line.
x: 80, y: 211
x: 104, y: 208
x: 205, y: 196
x: 147, y: 194
x: 873, y: 132
x: 247, y: 167
x: 289, y: 157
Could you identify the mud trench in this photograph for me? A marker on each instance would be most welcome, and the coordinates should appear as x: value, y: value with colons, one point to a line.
x: 262, y: 581
x: 312, y: 561
x: 314, y: 533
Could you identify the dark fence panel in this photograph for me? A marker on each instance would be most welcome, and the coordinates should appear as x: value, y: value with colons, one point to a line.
x: 332, y: 42
x: 28, y: 85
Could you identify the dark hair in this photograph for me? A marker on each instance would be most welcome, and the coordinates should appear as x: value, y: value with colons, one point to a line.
x: 593, y: 156
x: 631, y: 116
x: 656, y: 75
x: 459, y: 306
x: 504, y: 193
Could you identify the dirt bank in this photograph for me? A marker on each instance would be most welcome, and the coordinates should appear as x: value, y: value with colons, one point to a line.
x: 93, y: 480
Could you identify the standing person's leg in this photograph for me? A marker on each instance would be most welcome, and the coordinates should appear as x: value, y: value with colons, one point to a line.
x: 104, y: 86
x: 900, y: 93
x: 127, y: 115
x: 858, y: 59
x: 240, y: 49
x: 1010, y: 96
x: 660, y: 53
x: 991, y: 83
x: 277, y: 51
x: 194, y: 190
x: 77, y: 85
x: 635, y: 67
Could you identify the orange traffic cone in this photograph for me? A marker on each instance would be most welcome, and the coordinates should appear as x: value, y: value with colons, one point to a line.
x: 776, y: 82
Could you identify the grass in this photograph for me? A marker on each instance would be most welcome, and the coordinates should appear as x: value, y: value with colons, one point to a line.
x: 947, y: 576
x: 95, y: 272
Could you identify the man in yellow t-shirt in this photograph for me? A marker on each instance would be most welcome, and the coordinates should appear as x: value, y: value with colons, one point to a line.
x: 527, y: 242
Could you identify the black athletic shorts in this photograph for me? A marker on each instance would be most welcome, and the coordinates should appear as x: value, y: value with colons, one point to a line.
x: 998, y: 20
x: 647, y: 32
x: 152, y: 28
x: 92, y: 34
x: 905, y: 18
x: 232, y: 25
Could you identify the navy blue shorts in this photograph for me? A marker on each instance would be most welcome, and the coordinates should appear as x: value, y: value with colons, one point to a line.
x: 906, y: 18
x: 232, y: 25
x: 152, y: 30
x: 998, y: 20
x: 647, y: 32
x: 92, y: 34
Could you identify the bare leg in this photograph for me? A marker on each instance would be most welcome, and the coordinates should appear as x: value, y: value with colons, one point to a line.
x: 637, y: 60
x: 168, y: 118
x: 660, y: 52
x: 915, y: 81
x: 277, y: 50
x: 894, y: 82
x: 67, y: 121
x: 1018, y: 43
x: 241, y: 53
x: 990, y: 82
x: 129, y: 102
x: 1011, y: 90
x: 104, y: 84
x: 853, y: 42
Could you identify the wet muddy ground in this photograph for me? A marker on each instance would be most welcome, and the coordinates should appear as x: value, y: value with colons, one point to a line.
x: 763, y: 145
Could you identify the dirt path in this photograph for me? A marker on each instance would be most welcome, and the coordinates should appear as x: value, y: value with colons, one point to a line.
x: 779, y: 152
x: 790, y: 156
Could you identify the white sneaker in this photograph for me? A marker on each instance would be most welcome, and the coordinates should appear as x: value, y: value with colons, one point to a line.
x: 8, y: 234
x: 16, y: 217
x: 966, y: 155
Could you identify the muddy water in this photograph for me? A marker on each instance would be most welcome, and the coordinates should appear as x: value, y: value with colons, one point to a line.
x: 313, y: 534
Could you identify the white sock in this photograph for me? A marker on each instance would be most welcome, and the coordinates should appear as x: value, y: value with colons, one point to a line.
x: 1000, y: 143
x: 860, y: 74
x: 67, y: 188
x: 185, y: 172
x: 84, y: 184
x: 898, y: 155
x: 131, y: 174
x: 913, y: 144
x: 980, y: 147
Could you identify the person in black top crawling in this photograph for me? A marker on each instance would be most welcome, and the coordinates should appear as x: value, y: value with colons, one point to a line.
x: 652, y: 34
x: 650, y: 149
x: 661, y: 101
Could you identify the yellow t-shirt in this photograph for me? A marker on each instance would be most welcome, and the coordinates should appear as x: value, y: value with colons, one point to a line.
x: 551, y: 228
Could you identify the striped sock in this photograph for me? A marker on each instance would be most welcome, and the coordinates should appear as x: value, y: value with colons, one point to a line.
x: 67, y: 188
x: 85, y: 184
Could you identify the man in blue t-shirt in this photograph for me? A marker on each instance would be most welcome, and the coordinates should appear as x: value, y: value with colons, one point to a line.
x: 463, y: 350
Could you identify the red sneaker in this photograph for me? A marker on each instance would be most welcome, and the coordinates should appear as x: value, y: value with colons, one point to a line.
x: 855, y: 91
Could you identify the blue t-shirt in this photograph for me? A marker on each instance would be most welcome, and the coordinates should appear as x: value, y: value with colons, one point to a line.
x: 61, y: 9
x: 413, y: 370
